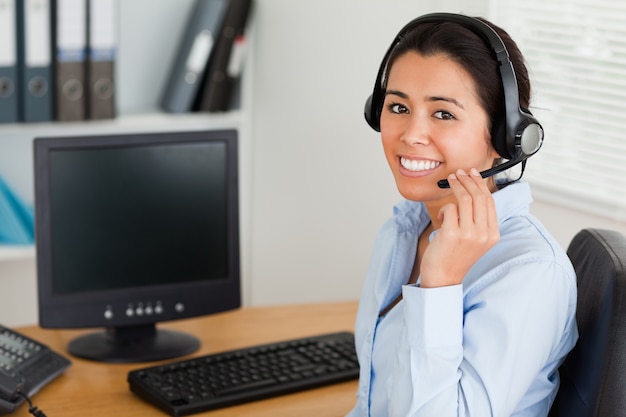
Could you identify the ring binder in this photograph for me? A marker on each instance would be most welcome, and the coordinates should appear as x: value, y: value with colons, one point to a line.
x: 101, y: 40
x: 8, y: 62
x: 193, y: 55
x: 69, y: 34
x: 225, y: 66
x: 34, y: 60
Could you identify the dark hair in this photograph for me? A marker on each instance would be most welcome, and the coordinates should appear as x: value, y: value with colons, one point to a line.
x: 469, y: 50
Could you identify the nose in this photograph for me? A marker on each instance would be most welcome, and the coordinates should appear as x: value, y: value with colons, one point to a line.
x: 416, y: 132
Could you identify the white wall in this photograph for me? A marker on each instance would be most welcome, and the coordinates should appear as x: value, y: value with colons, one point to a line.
x: 321, y: 187
x: 565, y: 222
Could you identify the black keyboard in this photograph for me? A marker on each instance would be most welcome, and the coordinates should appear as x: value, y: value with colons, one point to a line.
x: 238, y: 376
x: 28, y: 362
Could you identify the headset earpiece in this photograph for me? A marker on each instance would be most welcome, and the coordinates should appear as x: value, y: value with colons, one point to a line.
x: 372, y: 117
x: 498, y: 130
x: 530, y: 135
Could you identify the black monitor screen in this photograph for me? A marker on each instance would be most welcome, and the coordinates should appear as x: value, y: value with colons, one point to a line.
x: 136, y: 216
x: 132, y: 230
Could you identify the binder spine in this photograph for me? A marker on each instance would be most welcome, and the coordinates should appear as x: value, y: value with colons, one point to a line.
x: 34, y: 61
x: 8, y: 62
x: 224, y: 71
x: 69, y: 27
x: 102, y: 43
x: 193, y: 56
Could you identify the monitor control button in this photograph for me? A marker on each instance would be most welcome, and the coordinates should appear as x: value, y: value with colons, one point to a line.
x: 179, y: 307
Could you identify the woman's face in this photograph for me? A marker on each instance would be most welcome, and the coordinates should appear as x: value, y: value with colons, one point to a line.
x: 432, y: 125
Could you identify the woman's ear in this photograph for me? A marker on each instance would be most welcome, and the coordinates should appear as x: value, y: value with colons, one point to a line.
x: 495, y: 155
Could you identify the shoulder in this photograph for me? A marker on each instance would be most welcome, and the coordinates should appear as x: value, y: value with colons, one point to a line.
x: 526, y: 248
x: 526, y: 254
x: 522, y: 235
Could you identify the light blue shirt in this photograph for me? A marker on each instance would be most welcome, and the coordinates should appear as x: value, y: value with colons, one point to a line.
x: 490, y: 346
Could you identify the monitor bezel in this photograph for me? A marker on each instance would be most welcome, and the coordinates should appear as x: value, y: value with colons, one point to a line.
x: 110, y: 308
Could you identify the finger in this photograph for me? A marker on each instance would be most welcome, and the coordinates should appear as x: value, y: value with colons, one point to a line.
x: 475, y: 203
x: 480, y: 182
x: 489, y: 205
x: 483, y: 188
x: 449, y: 216
x: 482, y: 199
x: 465, y: 191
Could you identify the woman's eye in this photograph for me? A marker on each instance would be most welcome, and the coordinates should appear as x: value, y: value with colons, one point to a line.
x: 443, y: 115
x: 397, y: 108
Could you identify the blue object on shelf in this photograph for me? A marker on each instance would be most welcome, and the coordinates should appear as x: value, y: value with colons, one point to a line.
x: 17, y: 225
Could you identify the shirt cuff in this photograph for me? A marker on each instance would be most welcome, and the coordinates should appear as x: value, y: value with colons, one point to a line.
x: 433, y: 316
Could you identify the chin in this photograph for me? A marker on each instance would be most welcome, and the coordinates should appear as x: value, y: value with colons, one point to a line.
x: 422, y: 192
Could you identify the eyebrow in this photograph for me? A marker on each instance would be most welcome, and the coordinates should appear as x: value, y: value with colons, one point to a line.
x: 431, y: 98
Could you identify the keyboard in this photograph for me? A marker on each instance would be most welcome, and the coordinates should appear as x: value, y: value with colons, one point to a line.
x: 29, y: 363
x: 254, y: 373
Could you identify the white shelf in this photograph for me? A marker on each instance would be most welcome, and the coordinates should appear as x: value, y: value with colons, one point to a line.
x: 144, y: 121
x: 16, y: 252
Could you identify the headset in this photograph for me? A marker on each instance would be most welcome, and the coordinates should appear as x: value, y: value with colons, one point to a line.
x: 518, y: 138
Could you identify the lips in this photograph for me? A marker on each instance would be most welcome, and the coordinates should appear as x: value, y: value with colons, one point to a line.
x: 418, y: 165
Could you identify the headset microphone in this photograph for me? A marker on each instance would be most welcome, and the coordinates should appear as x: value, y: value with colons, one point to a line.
x: 491, y: 171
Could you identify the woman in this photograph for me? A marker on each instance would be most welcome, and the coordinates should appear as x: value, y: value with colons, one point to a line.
x: 468, y: 307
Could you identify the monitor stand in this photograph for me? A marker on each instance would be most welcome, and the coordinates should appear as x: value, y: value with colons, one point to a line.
x: 127, y: 344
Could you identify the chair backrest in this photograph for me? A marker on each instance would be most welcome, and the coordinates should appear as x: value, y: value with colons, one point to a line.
x: 593, y: 376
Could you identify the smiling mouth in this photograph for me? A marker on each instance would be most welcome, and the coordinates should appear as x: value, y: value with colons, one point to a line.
x: 414, y: 165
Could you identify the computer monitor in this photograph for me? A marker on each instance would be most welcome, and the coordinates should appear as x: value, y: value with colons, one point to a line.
x: 133, y: 230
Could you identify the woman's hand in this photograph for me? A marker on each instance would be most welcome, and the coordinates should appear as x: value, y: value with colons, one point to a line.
x: 468, y: 230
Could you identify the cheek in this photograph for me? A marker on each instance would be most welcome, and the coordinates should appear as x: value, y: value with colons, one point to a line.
x: 389, y: 130
x: 489, y: 150
x: 468, y: 152
x: 388, y: 148
x: 486, y: 156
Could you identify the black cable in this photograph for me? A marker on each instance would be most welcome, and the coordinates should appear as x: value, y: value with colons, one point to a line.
x: 31, y: 408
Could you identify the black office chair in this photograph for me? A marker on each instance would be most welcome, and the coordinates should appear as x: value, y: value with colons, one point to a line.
x: 593, y: 376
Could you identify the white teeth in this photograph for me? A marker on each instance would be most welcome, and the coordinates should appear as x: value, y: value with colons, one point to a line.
x: 421, y: 165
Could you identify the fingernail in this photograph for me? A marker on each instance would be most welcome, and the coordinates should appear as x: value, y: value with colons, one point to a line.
x: 461, y: 172
x: 475, y: 172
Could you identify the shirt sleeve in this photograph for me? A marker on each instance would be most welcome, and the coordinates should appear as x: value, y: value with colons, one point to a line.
x: 478, y: 354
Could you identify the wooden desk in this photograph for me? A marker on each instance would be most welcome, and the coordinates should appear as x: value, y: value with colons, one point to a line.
x: 90, y: 388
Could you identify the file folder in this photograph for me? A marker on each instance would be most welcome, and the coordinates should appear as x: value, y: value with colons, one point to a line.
x: 226, y: 63
x: 34, y: 60
x: 193, y: 55
x: 8, y: 62
x: 70, y: 42
x: 102, y: 46
x: 16, y: 218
